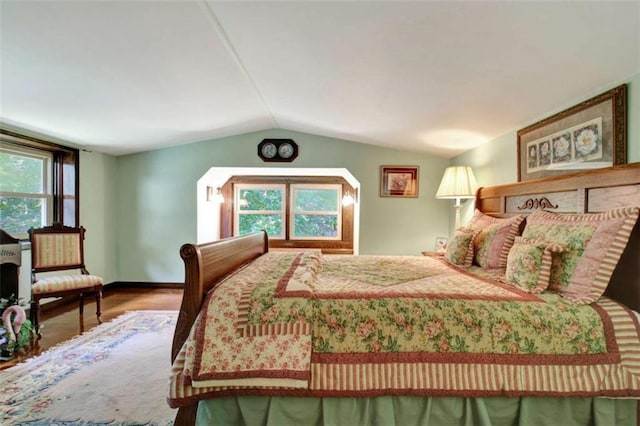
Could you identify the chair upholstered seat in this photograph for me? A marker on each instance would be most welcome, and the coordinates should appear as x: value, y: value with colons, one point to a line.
x: 66, y: 282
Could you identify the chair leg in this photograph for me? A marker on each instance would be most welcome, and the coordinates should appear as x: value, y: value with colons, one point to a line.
x: 81, y: 313
x: 35, y: 315
x: 98, y: 302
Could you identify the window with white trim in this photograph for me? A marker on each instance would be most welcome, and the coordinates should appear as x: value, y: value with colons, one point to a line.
x: 39, y: 183
x: 315, y: 212
x: 26, y: 190
x: 260, y: 207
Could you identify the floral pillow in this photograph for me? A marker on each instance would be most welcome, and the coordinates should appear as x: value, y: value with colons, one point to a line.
x: 460, y: 248
x: 594, y: 243
x: 495, y: 238
x: 529, y: 263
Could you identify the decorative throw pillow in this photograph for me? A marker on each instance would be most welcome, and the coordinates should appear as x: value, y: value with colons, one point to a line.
x: 594, y: 243
x: 529, y: 263
x: 460, y: 248
x: 494, y: 240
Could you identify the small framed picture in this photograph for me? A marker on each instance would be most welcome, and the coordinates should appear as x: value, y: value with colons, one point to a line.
x: 441, y: 244
x: 399, y: 181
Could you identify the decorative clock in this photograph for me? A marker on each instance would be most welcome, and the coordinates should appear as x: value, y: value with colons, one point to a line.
x: 277, y: 150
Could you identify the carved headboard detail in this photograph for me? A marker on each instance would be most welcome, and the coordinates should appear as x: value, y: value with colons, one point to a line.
x: 537, y: 203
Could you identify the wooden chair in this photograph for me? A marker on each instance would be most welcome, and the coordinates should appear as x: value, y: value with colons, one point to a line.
x: 59, y: 248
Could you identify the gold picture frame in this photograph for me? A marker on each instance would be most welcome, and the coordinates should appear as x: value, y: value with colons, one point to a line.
x: 399, y: 181
x: 590, y: 135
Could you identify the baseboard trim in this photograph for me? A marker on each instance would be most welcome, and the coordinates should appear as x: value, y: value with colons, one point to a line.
x: 141, y: 284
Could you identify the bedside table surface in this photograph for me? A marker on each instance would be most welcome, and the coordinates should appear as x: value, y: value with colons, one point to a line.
x: 432, y: 254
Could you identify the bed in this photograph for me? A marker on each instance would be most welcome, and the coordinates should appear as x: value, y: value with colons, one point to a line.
x: 430, y: 340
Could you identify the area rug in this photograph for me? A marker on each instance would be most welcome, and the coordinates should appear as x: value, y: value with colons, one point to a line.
x: 115, y: 374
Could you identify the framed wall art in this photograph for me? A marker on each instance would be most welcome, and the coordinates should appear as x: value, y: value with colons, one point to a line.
x: 590, y: 135
x: 399, y: 181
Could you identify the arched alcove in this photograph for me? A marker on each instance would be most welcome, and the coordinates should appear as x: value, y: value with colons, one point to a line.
x: 208, y: 219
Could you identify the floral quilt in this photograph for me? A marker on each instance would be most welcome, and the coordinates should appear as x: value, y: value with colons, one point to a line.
x: 300, y: 323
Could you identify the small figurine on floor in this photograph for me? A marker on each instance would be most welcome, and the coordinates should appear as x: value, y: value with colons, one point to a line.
x: 16, y: 331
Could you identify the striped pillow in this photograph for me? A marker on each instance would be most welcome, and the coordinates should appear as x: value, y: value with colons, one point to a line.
x: 529, y: 263
x: 495, y: 238
x: 594, y: 243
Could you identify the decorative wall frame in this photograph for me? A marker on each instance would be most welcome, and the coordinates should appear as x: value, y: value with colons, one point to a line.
x: 277, y: 150
x: 590, y: 135
x: 399, y: 181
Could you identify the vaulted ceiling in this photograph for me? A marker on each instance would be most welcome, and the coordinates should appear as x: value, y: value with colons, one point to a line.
x: 431, y: 76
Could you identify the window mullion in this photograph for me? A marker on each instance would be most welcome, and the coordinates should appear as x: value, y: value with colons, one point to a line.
x: 288, y: 206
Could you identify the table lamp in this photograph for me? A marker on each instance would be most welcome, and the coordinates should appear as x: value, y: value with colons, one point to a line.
x: 457, y: 183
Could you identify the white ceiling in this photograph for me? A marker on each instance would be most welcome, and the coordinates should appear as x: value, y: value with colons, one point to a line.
x: 439, y: 77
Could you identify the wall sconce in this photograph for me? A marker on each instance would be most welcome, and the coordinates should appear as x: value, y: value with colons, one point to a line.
x: 348, y: 199
x: 457, y: 183
x: 215, y: 196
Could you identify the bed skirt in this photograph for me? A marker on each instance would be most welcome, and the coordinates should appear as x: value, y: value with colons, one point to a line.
x: 410, y: 410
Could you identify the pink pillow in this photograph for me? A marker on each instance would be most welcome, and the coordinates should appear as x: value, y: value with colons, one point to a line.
x: 495, y: 238
x: 595, y: 243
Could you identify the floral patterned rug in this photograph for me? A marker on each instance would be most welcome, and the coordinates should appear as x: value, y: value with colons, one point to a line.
x: 115, y: 374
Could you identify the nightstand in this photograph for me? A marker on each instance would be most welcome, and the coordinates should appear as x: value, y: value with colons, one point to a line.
x: 432, y: 254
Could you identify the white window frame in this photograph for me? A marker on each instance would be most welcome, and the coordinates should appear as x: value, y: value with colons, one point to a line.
x: 292, y: 212
x: 46, y: 192
x: 237, y: 212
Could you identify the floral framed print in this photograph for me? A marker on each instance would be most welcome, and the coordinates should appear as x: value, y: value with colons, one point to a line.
x: 399, y: 181
x: 589, y: 135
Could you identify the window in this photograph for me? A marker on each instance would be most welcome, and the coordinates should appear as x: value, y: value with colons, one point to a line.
x: 25, y: 190
x: 39, y: 184
x: 296, y: 212
x: 260, y: 207
x: 314, y: 211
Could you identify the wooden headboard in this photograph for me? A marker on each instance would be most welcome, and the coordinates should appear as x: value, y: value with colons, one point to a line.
x: 591, y: 191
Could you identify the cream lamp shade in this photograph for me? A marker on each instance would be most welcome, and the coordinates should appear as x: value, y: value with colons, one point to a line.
x: 457, y: 183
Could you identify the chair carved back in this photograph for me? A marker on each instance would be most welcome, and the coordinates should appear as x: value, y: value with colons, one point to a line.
x: 57, y: 248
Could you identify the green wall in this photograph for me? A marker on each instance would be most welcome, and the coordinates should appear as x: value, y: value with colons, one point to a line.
x: 156, y: 201
x: 98, y: 209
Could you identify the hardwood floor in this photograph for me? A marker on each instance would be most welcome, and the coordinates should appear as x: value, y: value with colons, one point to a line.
x: 63, y: 323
